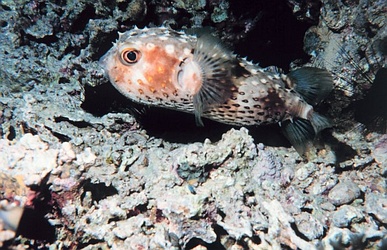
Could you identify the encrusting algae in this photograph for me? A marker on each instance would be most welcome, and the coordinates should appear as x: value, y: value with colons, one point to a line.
x: 195, y: 73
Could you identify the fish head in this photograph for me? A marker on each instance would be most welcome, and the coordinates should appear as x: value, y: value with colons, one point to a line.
x: 153, y: 63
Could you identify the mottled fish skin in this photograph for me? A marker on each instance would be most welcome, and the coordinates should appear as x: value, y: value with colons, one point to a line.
x: 164, y: 73
x: 260, y: 99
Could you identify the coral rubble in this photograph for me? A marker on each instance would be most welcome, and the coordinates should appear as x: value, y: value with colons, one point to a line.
x: 76, y: 160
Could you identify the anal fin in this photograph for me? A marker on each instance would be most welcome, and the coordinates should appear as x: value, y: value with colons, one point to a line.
x: 300, y: 134
x: 319, y: 122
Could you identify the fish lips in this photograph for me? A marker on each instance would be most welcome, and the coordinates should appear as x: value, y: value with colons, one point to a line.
x: 103, y: 62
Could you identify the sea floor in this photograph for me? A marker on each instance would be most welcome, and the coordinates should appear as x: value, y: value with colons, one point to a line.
x: 81, y: 169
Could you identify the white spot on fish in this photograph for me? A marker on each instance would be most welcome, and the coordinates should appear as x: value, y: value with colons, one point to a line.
x: 186, y: 51
x: 150, y: 46
x: 263, y: 80
x: 169, y: 48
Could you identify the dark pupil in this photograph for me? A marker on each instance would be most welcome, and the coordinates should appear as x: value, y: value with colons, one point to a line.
x: 131, y: 56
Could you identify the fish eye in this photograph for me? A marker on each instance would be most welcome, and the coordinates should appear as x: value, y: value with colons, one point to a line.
x: 130, y: 56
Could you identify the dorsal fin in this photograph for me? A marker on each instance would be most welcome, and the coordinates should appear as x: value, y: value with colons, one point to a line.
x: 313, y: 84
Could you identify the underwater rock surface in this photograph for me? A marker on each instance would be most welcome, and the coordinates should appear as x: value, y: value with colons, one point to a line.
x: 76, y: 158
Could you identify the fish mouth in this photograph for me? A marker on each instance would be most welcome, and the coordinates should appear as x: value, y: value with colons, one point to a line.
x: 102, y: 62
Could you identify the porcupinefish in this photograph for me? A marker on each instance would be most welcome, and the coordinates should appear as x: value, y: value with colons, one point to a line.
x: 195, y: 73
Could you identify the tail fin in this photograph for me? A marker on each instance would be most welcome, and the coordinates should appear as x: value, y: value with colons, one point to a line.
x: 313, y: 84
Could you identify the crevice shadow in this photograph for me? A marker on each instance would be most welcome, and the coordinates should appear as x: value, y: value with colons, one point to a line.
x: 342, y: 151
